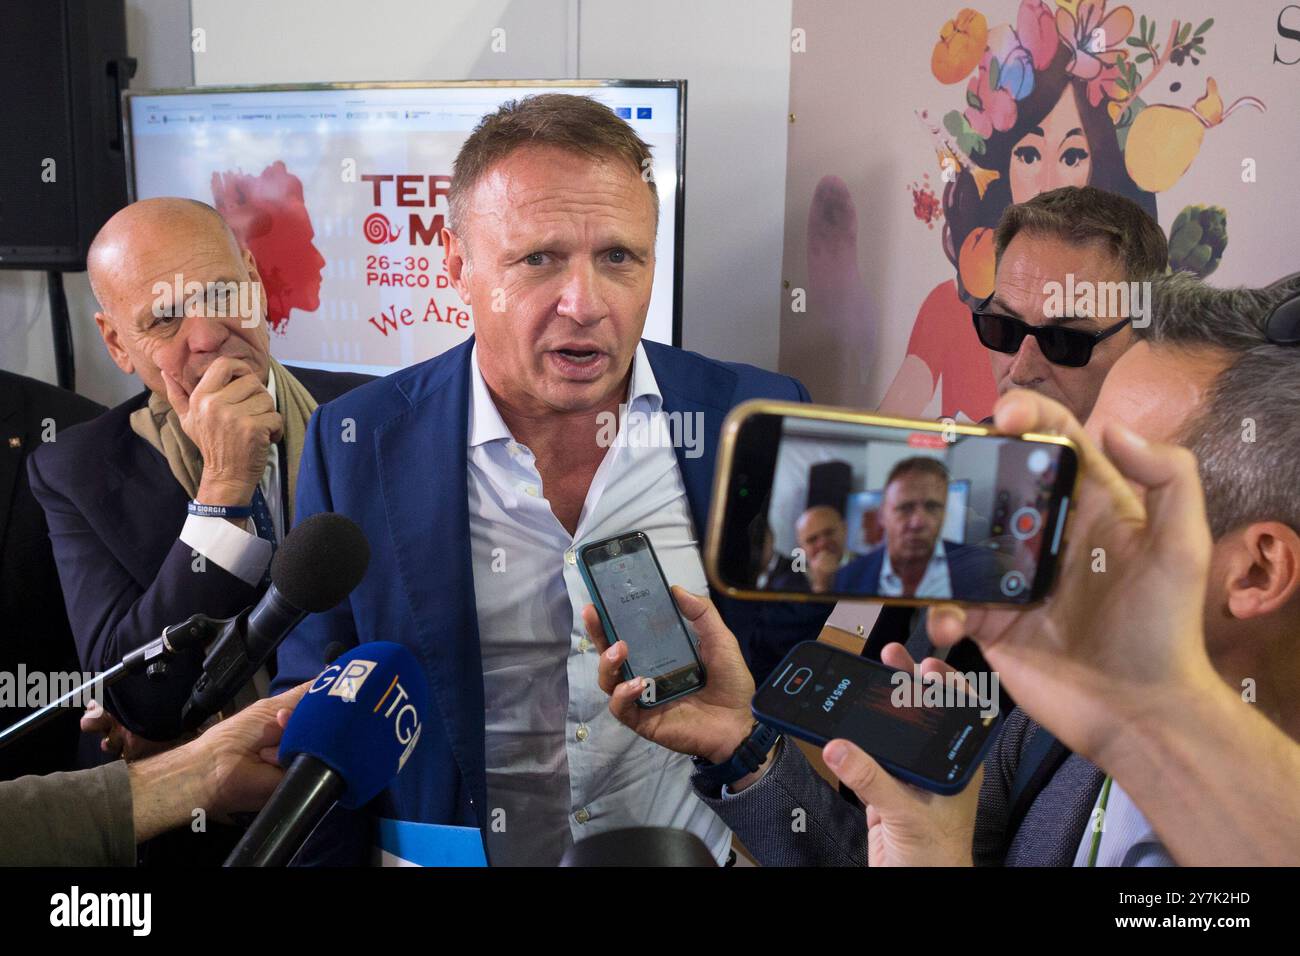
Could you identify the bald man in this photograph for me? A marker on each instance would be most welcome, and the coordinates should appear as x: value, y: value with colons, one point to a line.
x: 172, y: 503
x: 821, y: 534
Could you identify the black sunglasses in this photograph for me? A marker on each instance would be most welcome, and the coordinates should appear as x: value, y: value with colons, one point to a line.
x: 1059, y: 345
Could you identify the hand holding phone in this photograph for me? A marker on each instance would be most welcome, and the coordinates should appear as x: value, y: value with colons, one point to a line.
x: 813, y: 503
x: 1073, y: 663
x: 631, y: 596
x: 907, y: 826
x: 934, y: 737
x: 710, y: 723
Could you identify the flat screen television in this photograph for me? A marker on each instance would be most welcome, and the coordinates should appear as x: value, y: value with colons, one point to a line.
x: 340, y: 192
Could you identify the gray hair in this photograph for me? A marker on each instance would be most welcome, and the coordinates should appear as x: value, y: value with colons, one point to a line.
x: 1246, y: 438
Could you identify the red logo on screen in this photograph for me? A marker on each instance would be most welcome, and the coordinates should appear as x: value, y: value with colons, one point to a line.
x: 378, y: 230
x: 269, y: 217
x: 926, y: 440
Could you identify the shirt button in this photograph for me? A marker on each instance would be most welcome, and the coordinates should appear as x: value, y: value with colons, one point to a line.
x: 584, y: 645
x: 582, y: 816
x: 570, y: 557
x: 583, y: 732
x: 530, y: 490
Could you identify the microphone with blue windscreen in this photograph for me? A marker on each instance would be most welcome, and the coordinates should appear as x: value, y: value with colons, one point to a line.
x: 348, y: 738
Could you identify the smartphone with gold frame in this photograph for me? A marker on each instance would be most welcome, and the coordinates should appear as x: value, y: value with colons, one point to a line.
x: 818, y: 503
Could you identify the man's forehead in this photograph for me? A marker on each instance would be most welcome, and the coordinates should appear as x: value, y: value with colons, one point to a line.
x: 1033, y: 266
x: 136, y: 293
x: 138, y: 260
x: 917, y: 484
x: 819, y: 519
x: 1156, y: 389
x: 545, y: 182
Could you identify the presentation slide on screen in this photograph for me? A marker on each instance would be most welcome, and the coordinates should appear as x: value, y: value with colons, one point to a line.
x: 341, y: 195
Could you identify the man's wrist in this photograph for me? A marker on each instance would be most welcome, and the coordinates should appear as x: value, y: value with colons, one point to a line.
x: 165, y: 791
x: 742, y: 723
x: 758, y: 774
x: 744, y: 763
x: 223, y: 492
x: 1168, y: 729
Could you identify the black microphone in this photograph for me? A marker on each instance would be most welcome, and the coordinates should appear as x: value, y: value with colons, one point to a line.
x: 640, y: 846
x: 316, y: 567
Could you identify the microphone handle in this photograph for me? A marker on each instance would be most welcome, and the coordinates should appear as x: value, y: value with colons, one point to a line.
x: 244, y: 644
x: 307, y: 792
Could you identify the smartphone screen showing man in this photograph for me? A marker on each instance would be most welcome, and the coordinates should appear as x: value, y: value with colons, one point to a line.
x: 907, y: 511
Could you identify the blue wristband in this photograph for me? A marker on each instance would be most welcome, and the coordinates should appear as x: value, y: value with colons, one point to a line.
x: 749, y: 756
x: 219, y: 511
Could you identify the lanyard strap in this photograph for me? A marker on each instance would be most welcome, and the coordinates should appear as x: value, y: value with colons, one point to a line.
x: 1101, y: 822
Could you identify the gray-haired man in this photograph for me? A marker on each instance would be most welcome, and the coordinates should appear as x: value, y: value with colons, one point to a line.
x: 1203, y: 374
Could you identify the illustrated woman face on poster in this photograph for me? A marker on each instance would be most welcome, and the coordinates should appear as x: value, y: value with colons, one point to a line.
x: 1053, y: 99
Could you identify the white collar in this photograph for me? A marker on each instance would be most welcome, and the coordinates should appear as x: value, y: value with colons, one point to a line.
x: 937, y: 556
x: 485, y: 421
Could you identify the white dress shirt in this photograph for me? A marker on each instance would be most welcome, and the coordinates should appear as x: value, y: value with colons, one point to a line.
x: 1126, y: 837
x: 934, y: 583
x: 231, y: 548
x: 559, y: 766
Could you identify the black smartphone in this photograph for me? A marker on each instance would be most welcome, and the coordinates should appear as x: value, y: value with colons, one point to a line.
x: 818, y: 503
x: 631, y: 596
x: 933, y: 736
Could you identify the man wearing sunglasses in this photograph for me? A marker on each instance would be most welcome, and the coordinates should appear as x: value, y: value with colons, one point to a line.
x: 1049, y: 251
x: 1074, y: 238
x: 1211, y: 361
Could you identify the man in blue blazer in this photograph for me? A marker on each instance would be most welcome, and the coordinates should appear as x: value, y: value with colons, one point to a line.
x: 477, y: 475
x: 914, y: 560
x: 972, y: 571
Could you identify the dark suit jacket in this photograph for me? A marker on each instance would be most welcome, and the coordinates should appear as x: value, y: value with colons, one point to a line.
x: 115, y: 514
x: 782, y: 625
x: 34, y: 627
x: 785, y: 578
x: 972, y: 570
x: 405, y: 481
x: 836, y: 831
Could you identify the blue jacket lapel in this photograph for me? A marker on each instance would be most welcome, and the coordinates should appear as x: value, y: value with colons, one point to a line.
x: 695, y: 388
x: 424, y: 481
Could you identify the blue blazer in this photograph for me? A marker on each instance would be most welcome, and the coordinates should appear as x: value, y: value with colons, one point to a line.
x: 973, y: 571
x: 404, y: 480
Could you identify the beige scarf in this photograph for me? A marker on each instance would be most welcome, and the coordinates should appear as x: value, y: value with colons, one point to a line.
x: 160, y: 426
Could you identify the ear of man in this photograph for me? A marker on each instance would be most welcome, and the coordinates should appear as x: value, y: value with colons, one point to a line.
x: 458, y: 264
x: 1262, y: 569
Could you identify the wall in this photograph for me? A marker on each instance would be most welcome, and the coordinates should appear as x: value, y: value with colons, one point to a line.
x: 865, y: 211
x: 158, y: 35
x: 735, y: 58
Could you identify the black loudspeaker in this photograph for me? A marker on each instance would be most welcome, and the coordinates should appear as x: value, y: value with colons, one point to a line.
x: 829, y: 483
x: 63, y: 65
